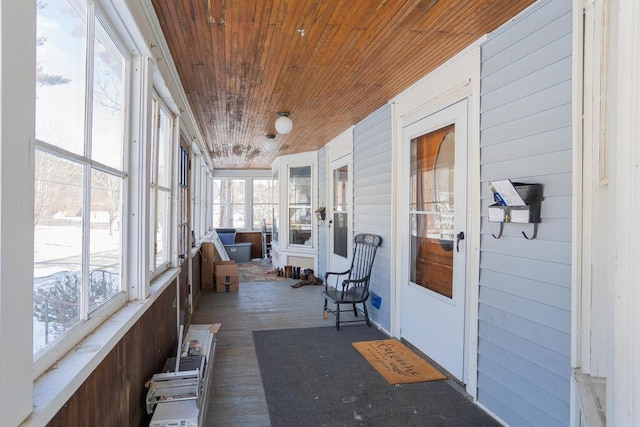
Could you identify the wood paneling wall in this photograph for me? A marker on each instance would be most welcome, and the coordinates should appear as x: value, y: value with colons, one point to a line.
x: 114, y: 394
x: 196, y: 275
x: 185, y: 312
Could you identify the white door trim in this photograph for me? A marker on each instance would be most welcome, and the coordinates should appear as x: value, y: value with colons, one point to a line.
x: 457, y: 79
x: 338, y: 263
x: 338, y: 147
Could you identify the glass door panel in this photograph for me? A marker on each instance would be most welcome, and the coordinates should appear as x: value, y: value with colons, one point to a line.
x: 340, y: 214
x: 432, y: 210
x: 300, y: 206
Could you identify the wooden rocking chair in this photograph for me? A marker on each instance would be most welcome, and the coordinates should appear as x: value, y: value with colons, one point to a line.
x: 352, y: 286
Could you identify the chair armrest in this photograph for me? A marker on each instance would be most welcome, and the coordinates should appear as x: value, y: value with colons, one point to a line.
x: 347, y: 282
x: 333, y: 273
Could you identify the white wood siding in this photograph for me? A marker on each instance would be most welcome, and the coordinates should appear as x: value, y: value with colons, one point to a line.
x: 322, y: 201
x: 372, y: 200
x: 525, y: 286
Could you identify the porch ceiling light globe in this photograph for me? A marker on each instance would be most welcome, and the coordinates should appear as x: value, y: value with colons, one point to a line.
x: 283, y: 123
x: 271, y: 145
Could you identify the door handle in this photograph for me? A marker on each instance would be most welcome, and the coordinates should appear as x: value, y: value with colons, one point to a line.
x: 459, y: 236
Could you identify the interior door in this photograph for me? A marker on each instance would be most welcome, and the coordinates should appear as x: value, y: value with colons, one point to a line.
x: 433, y: 294
x: 339, y: 215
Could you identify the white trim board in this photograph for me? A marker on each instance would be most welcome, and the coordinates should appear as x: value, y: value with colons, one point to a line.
x: 457, y: 79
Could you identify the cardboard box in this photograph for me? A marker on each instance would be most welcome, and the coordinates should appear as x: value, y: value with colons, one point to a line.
x: 232, y: 286
x: 227, y: 278
x: 226, y: 268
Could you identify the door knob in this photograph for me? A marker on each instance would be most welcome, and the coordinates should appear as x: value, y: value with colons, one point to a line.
x: 459, y: 236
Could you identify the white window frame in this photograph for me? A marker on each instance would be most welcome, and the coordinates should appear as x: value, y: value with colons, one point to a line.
x: 247, y: 176
x: 184, y: 206
x: 270, y: 203
x: 89, y: 321
x: 194, y: 200
x: 201, y: 193
x: 230, y: 205
x: 28, y: 397
x: 156, y: 188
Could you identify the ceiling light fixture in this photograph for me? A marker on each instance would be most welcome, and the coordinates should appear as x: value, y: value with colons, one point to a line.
x: 283, y: 123
x: 271, y: 145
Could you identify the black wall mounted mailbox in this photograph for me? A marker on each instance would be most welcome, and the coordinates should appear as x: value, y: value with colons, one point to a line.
x: 529, y: 213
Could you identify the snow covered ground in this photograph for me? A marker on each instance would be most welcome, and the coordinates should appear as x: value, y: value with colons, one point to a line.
x: 58, y: 251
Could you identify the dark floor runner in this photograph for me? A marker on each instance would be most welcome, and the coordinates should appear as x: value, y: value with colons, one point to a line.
x: 314, y: 377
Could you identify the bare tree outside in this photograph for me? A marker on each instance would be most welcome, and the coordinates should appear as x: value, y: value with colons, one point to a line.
x: 107, y: 196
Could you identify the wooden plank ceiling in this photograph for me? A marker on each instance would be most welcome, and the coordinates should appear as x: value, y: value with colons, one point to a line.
x: 329, y: 63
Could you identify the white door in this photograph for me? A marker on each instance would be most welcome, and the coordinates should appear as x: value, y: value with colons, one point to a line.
x: 339, y: 215
x: 433, y: 294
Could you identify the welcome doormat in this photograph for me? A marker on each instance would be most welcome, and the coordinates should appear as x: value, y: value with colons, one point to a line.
x: 396, y: 362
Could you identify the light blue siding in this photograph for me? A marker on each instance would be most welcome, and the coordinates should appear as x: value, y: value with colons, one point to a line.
x: 373, y: 200
x: 553, y: 273
x: 525, y: 286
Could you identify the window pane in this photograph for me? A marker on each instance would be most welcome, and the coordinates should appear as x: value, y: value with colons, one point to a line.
x: 300, y: 226
x: 300, y: 185
x: 262, y: 194
x: 183, y: 203
x: 108, y: 97
x: 261, y: 215
x: 217, y: 216
x: 229, y: 208
x: 432, y: 203
x: 300, y: 206
x: 340, y: 234
x: 105, y: 249
x: 57, y: 267
x: 275, y: 199
x: 154, y: 142
x: 60, y: 74
x: 163, y: 227
x: 165, y: 137
x: 262, y: 191
x: 238, y: 216
x: 218, y: 192
x: 222, y: 197
x: 340, y: 181
x: 237, y: 191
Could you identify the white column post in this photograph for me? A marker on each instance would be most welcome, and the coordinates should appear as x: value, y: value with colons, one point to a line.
x: 17, y: 142
x: 623, y: 386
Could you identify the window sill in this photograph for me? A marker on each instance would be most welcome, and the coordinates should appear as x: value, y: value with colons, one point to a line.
x: 53, y: 388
